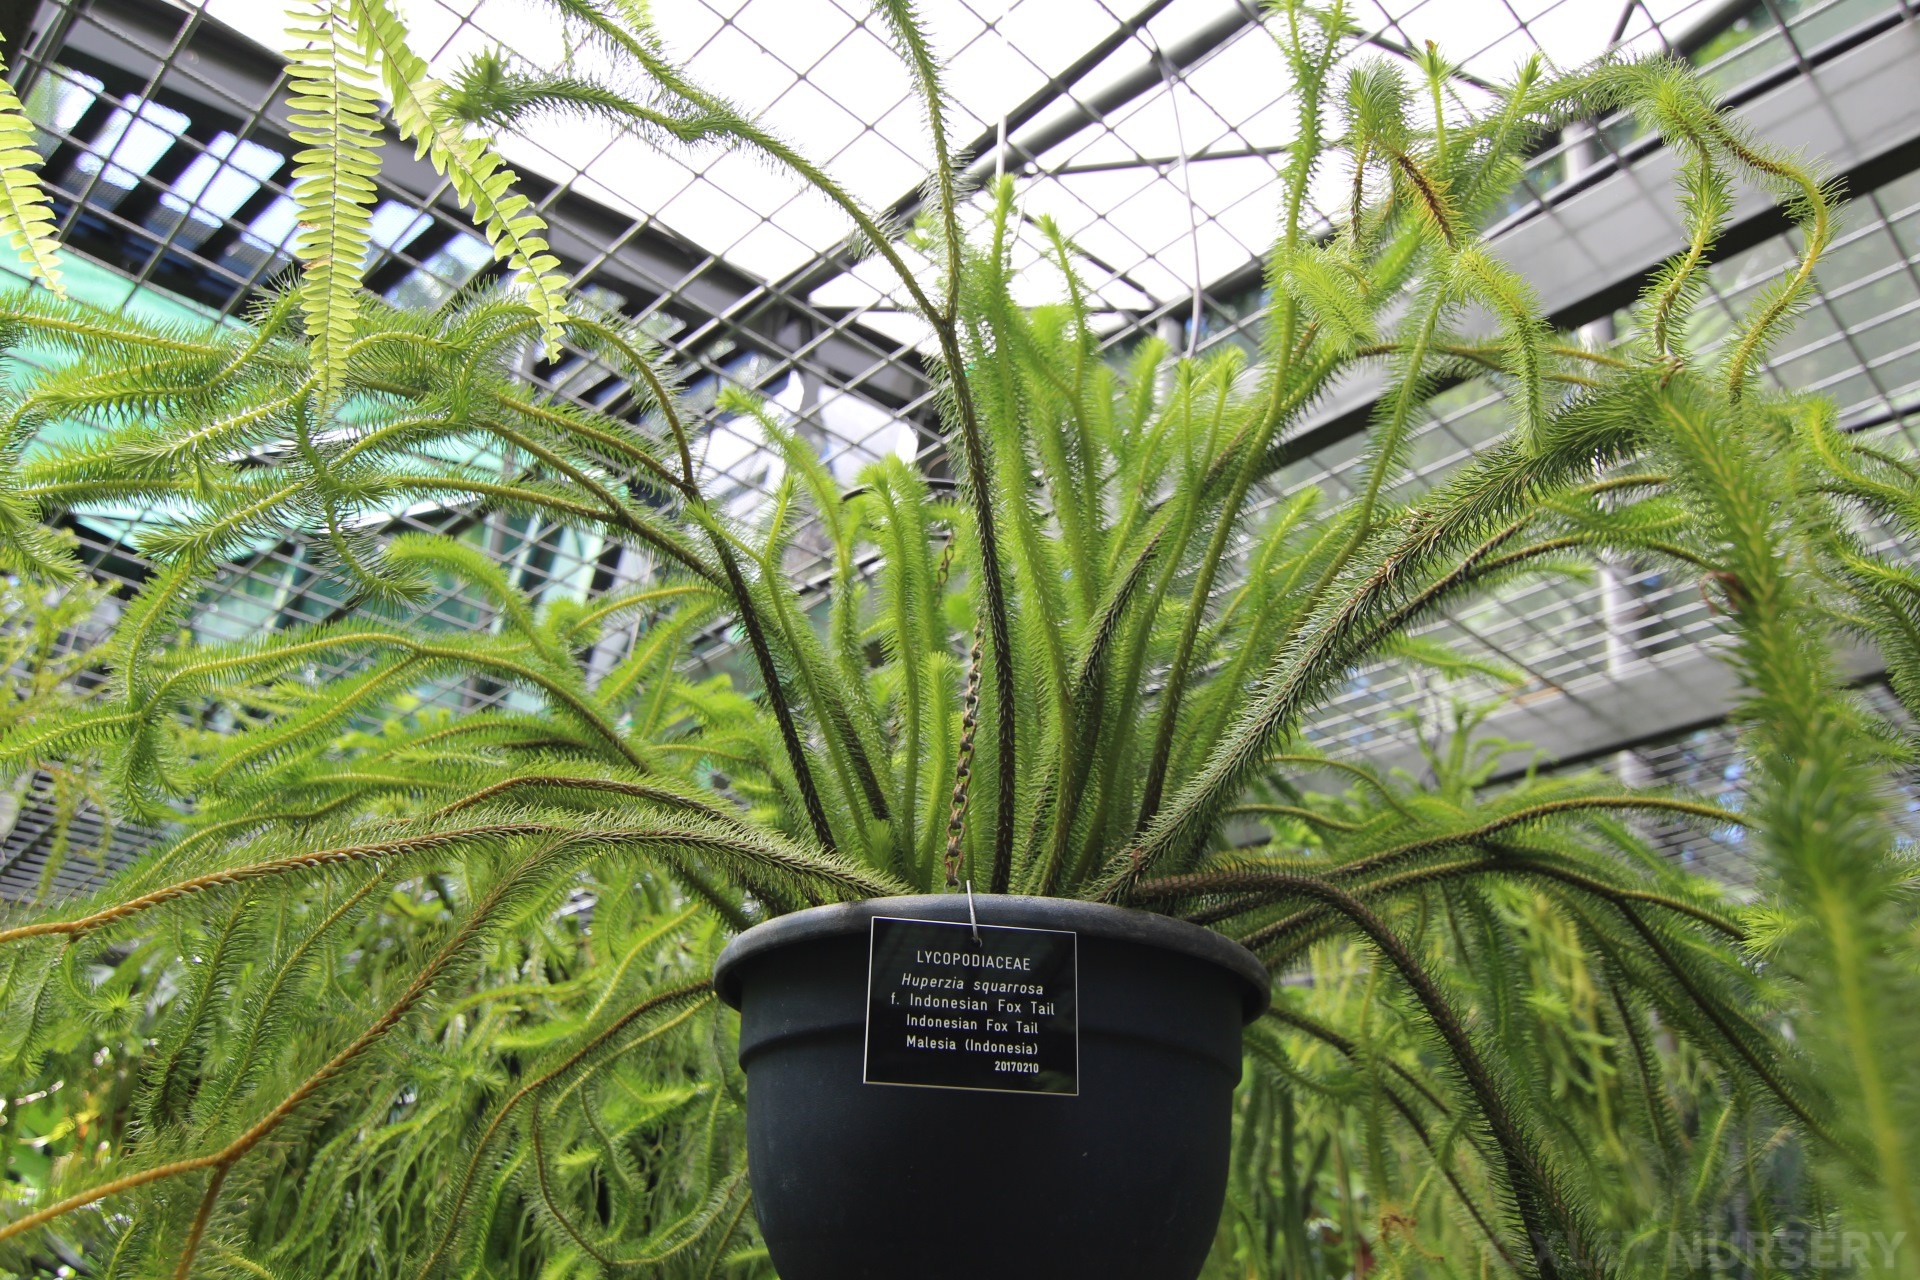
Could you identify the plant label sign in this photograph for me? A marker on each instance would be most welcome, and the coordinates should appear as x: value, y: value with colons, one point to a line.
x: 952, y: 1008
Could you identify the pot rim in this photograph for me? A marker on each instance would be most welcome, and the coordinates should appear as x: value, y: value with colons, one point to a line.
x: 1095, y: 919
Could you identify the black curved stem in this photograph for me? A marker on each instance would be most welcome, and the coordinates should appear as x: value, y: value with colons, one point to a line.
x: 1541, y: 1208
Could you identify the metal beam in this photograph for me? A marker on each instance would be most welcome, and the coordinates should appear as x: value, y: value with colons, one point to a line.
x: 17, y: 19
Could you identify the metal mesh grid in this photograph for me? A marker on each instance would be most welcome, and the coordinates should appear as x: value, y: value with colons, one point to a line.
x: 45, y: 859
x: 1708, y: 762
x: 1150, y: 134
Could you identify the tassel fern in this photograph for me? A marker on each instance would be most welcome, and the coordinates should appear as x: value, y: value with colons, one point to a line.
x: 335, y: 121
x: 416, y: 970
x: 480, y: 181
x: 26, y: 215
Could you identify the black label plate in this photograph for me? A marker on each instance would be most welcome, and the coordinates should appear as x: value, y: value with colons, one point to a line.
x: 945, y: 1011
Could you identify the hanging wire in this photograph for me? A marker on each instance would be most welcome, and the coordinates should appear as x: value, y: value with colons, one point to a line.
x: 1171, y: 79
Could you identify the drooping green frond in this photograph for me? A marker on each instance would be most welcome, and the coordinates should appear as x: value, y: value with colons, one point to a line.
x: 336, y: 121
x: 415, y: 968
x: 1524, y: 334
x: 26, y: 215
x: 1333, y: 292
x: 1823, y: 804
x: 513, y: 228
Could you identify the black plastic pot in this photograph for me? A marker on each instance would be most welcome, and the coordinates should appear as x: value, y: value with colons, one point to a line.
x: 1121, y: 1178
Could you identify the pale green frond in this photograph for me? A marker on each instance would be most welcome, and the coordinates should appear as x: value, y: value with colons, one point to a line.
x: 26, y: 214
x: 335, y: 119
x: 513, y: 228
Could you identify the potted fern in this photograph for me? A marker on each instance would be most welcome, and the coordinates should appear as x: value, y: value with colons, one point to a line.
x: 1070, y: 701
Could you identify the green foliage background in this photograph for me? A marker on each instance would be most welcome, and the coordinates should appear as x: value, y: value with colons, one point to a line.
x: 405, y: 992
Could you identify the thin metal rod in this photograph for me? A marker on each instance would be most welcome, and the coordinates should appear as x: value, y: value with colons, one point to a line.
x: 1172, y: 83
